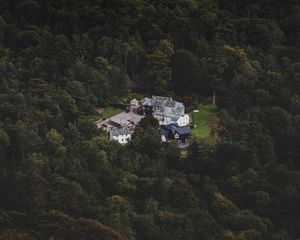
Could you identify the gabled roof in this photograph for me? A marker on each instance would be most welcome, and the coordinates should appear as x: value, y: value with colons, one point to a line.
x: 164, y: 132
x: 125, y: 118
x: 158, y: 101
x: 170, y: 130
x: 171, y: 126
x: 134, y: 101
x: 183, y: 130
x: 119, y: 131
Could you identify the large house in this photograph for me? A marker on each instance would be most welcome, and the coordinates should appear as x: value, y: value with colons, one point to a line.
x: 166, y: 110
x: 169, y: 113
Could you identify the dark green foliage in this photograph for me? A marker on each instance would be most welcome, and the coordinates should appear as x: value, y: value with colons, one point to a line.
x: 60, y: 177
x: 148, y: 121
x: 185, y: 72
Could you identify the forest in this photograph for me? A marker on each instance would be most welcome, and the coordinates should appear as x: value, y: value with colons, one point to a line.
x: 61, y: 178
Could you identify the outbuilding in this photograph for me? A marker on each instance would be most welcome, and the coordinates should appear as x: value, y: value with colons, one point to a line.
x: 122, y: 135
x: 173, y: 132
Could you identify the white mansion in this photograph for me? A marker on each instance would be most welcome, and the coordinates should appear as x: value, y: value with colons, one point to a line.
x: 166, y: 110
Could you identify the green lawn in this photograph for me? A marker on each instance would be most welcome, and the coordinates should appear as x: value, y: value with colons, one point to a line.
x: 110, y: 111
x: 200, y: 118
x: 183, y: 152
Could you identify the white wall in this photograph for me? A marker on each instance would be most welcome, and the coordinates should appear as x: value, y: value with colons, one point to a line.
x: 166, y: 121
x: 163, y: 120
x: 183, y: 121
x: 163, y: 138
x: 123, y: 139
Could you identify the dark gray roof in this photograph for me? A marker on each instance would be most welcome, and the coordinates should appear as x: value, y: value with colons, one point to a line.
x: 158, y: 101
x: 183, y: 130
x: 119, y: 131
x: 170, y: 103
x: 124, y: 118
x: 164, y: 132
x: 172, y: 126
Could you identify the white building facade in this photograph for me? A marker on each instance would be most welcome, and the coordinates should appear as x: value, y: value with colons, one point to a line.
x: 166, y: 110
x: 121, y: 135
x: 183, y: 120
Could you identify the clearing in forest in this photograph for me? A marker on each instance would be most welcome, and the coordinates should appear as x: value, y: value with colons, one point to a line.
x: 110, y: 111
x: 200, y: 117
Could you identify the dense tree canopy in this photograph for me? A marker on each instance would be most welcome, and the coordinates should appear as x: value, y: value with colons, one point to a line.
x: 60, y: 177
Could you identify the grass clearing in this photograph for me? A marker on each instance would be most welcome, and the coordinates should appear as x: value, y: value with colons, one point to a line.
x: 110, y: 111
x: 184, y: 153
x: 200, y: 118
